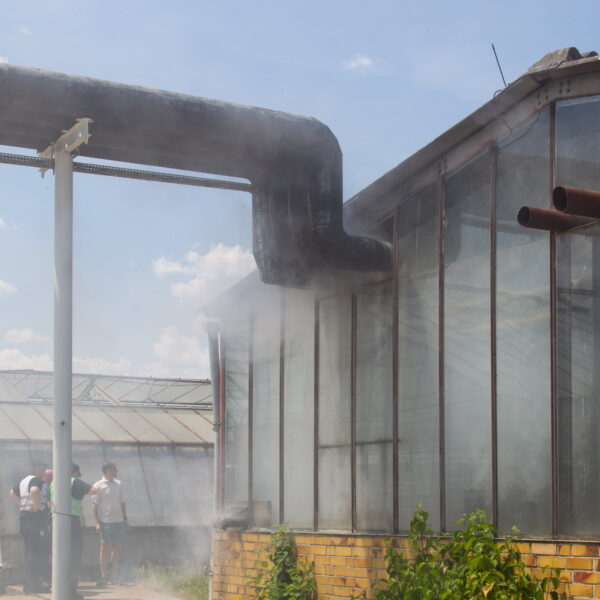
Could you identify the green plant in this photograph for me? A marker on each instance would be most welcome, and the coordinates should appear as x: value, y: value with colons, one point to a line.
x: 467, y: 565
x: 281, y: 577
x: 184, y: 581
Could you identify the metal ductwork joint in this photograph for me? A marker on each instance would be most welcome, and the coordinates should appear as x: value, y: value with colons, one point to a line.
x: 293, y: 162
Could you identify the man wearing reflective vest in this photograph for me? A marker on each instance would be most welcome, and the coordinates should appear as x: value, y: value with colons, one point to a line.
x: 31, y: 496
x: 79, y: 489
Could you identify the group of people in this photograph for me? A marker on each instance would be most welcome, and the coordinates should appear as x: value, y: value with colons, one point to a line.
x: 34, y: 494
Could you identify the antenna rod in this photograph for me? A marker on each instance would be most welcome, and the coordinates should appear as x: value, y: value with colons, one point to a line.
x: 499, y: 67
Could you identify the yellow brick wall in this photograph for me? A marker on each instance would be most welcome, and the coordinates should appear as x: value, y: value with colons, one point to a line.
x: 349, y: 565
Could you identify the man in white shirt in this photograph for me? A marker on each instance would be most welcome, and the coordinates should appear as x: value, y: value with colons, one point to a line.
x: 110, y: 513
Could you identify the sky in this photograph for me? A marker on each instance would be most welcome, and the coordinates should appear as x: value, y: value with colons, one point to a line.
x: 386, y: 76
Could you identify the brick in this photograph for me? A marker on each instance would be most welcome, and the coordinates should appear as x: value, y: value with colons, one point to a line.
x: 586, y: 577
x: 543, y: 548
x: 360, y: 551
x: 578, y: 589
x: 337, y: 560
x: 523, y: 547
x: 343, y: 551
x: 552, y: 561
x: 579, y: 563
x: 319, y: 550
x: 584, y: 550
x: 565, y: 550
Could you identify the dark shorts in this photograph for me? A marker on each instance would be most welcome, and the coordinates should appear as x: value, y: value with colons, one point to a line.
x: 111, y: 533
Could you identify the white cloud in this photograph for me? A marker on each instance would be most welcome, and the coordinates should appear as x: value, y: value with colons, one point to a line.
x: 358, y: 61
x: 101, y: 366
x: 11, y: 358
x: 211, y: 273
x: 178, y: 355
x: 3, y: 59
x: 6, y: 288
x: 24, y: 30
x: 3, y: 224
x: 21, y: 336
x: 163, y: 267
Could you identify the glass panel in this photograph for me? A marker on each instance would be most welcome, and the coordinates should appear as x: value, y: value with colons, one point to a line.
x: 578, y: 313
x: 81, y: 433
x: 523, y: 333
x: 298, y: 412
x: 235, y: 429
x: 374, y: 503
x: 102, y: 425
x: 137, y: 423
x: 9, y: 430
x: 200, y: 422
x: 418, y: 357
x: 265, y: 412
x: 167, y: 425
x: 334, y: 414
x: 195, y: 466
x: 467, y: 341
x: 578, y: 326
x: 28, y: 420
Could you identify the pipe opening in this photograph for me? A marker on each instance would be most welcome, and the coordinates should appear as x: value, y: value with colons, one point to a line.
x: 560, y: 198
x: 524, y: 216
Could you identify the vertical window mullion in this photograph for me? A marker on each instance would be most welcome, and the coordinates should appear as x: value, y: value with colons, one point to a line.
x: 395, y: 367
x: 442, y: 430
x: 353, y: 409
x: 250, y: 417
x: 553, y: 332
x: 316, y: 420
x: 493, y: 365
x: 281, y: 404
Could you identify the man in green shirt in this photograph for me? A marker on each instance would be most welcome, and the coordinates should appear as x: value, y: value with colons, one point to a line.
x: 79, y: 489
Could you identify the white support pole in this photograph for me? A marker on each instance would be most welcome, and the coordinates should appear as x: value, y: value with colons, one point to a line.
x: 63, y: 347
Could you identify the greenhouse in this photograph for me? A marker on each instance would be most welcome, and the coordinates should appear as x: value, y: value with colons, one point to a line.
x: 156, y: 430
x: 467, y: 378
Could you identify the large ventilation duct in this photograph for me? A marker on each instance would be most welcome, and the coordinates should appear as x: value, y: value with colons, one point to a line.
x: 293, y: 162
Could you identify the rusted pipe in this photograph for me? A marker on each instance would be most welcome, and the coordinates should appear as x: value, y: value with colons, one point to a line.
x: 549, y: 220
x: 575, y: 201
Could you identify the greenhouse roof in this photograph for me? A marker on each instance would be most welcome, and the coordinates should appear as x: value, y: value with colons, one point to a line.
x: 108, y: 409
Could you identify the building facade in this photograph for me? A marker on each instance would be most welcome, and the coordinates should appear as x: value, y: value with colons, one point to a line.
x: 467, y: 378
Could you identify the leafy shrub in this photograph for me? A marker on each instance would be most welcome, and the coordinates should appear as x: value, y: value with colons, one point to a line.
x: 281, y: 577
x: 468, y: 565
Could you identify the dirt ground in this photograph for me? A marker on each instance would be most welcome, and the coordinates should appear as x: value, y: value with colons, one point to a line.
x: 91, y: 592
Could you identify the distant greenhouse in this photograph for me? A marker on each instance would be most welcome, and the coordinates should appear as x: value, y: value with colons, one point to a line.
x: 158, y: 431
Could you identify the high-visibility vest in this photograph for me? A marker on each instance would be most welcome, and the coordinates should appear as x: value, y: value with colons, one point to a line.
x: 75, y: 504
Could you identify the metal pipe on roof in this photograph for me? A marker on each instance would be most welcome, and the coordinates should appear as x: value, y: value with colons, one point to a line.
x: 293, y: 162
x: 575, y: 201
x: 549, y: 220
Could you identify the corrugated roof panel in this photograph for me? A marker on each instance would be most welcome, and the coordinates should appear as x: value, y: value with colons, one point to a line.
x: 28, y: 420
x: 8, y: 429
x: 135, y: 424
x: 195, y: 421
x: 174, y: 430
x: 102, y: 425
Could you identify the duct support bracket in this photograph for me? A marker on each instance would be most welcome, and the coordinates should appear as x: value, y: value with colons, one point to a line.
x: 69, y: 141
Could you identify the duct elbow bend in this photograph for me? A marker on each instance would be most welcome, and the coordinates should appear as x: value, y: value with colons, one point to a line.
x: 352, y: 253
